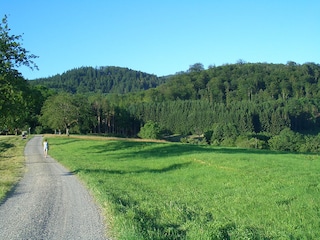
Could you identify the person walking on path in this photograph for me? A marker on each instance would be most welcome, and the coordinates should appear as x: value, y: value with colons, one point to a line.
x: 45, y: 148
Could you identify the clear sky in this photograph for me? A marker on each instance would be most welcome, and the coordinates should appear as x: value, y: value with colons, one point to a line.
x: 163, y: 36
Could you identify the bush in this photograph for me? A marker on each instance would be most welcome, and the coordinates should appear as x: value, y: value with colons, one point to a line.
x: 224, y: 134
x: 228, y: 142
x: 208, y: 136
x: 38, y: 130
x: 252, y: 141
x: 287, y: 140
x: 150, y: 130
x: 194, y: 140
x: 312, y: 144
x: 245, y: 142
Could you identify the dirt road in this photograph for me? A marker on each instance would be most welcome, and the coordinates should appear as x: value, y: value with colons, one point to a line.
x: 49, y: 203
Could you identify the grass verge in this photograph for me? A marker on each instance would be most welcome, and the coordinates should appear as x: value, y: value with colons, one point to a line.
x: 11, y: 162
x: 162, y: 190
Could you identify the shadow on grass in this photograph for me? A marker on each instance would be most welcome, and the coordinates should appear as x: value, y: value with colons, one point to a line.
x: 151, y: 149
x: 65, y: 141
x: 147, y: 222
x: 145, y: 170
x: 150, y: 225
x: 5, y: 146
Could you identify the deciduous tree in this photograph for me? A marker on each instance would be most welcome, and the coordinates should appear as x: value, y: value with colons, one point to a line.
x: 13, y: 87
x: 60, y: 112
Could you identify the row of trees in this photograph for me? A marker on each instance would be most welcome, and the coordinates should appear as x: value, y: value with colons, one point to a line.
x: 232, y: 125
x: 78, y: 113
x: 242, y: 124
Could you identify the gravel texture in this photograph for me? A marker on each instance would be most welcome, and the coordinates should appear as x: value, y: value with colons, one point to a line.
x: 49, y: 203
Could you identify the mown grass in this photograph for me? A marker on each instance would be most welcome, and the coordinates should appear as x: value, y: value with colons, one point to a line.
x: 176, y: 191
x: 11, y: 162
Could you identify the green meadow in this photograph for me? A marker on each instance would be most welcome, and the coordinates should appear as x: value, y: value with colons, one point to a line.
x: 151, y: 190
x: 11, y: 162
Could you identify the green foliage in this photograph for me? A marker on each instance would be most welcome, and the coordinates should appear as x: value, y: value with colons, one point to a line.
x: 15, y: 94
x: 312, y: 144
x: 208, y: 135
x: 12, y: 54
x: 251, y: 141
x: 194, y: 140
x: 296, y: 142
x: 224, y: 133
x: 64, y: 111
x: 179, y: 191
x: 222, y: 125
x: 248, y: 81
x: 287, y: 140
x: 150, y: 130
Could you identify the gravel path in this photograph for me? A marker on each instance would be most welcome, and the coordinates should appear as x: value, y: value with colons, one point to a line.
x: 49, y: 203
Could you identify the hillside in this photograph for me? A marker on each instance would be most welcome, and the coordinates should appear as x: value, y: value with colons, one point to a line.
x: 224, y: 84
x: 104, y: 79
x: 256, y: 105
x: 244, y: 81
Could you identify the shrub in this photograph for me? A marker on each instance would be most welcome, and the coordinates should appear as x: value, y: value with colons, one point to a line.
x: 150, y: 130
x: 224, y: 134
x: 194, y: 140
x: 312, y: 144
x: 208, y: 136
x: 228, y: 142
x: 287, y: 140
x: 38, y: 130
x: 245, y: 142
x: 252, y: 141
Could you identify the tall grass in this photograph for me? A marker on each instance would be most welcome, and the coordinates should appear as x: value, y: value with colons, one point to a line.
x: 11, y: 162
x: 176, y: 191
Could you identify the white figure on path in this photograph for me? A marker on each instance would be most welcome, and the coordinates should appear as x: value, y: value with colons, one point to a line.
x: 45, y: 148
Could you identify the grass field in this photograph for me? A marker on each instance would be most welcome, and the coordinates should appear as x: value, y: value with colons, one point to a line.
x: 155, y: 190
x: 11, y: 162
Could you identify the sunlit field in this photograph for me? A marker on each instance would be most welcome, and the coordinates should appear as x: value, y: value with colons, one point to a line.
x: 11, y: 162
x: 152, y: 190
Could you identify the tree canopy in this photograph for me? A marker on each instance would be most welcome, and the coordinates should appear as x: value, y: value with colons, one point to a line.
x: 63, y: 111
x: 103, y: 79
x: 14, y: 90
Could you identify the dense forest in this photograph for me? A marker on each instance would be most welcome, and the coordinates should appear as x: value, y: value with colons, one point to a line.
x: 102, y: 79
x: 243, y: 104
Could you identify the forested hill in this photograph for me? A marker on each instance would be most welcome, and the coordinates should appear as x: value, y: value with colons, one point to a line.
x: 103, y: 79
x: 222, y: 84
x: 242, y: 81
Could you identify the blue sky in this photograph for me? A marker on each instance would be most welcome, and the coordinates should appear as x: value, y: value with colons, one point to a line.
x: 163, y: 36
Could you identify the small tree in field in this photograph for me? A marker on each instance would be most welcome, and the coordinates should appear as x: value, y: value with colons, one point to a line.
x: 150, y: 130
x: 60, y: 112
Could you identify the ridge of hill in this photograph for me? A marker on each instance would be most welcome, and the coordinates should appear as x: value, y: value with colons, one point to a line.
x: 109, y: 79
x: 221, y: 84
